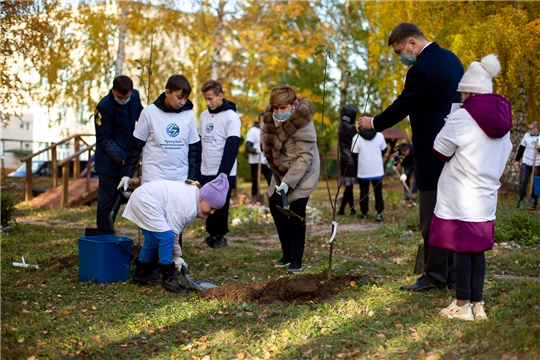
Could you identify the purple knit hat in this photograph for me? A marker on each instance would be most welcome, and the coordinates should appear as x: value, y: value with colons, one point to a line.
x: 215, y: 192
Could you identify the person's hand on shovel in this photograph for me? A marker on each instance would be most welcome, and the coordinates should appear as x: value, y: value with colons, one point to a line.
x: 124, y: 182
x: 178, y: 262
x: 282, y: 187
x: 403, y: 178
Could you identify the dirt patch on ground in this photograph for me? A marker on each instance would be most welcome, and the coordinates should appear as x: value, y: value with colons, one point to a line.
x: 295, y: 289
x: 62, y: 262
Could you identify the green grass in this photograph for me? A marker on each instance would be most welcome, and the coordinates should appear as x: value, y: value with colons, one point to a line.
x: 49, y: 313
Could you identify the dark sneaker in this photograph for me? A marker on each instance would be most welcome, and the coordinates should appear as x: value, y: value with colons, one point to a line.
x: 353, y: 212
x: 341, y: 212
x: 362, y: 217
x: 281, y: 263
x: 379, y: 217
x: 210, y: 241
x: 221, y: 242
x: 294, y: 271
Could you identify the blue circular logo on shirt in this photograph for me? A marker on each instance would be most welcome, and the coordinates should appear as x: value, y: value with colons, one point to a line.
x: 173, y: 130
x: 209, y: 127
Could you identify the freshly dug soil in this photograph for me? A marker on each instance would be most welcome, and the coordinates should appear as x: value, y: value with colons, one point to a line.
x: 295, y: 289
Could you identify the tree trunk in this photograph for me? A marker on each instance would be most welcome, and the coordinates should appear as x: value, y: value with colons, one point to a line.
x: 344, y: 56
x: 124, y: 10
x: 218, y: 41
x: 510, y: 178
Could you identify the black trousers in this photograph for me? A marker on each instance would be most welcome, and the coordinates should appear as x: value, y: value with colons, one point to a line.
x: 348, y: 198
x: 107, y: 196
x: 364, y: 198
x: 265, y: 171
x: 217, y: 224
x: 291, y: 230
x: 524, y: 177
x: 438, y: 262
x: 470, y: 273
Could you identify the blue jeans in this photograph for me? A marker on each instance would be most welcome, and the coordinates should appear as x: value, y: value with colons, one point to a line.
x: 162, y: 242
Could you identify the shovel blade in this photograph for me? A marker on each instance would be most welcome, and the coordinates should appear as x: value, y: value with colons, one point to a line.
x: 289, y: 212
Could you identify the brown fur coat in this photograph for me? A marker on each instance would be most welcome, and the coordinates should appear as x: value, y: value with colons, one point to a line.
x: 291, y: 150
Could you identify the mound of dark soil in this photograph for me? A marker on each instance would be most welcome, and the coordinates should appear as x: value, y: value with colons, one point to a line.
x: 295, y: 289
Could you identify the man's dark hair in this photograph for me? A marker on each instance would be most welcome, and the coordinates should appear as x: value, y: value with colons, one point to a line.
x: 404, y: 147
x: 403, y: 31
x: 212, y: 85
x: 123, y: 84
x: 179, y: 82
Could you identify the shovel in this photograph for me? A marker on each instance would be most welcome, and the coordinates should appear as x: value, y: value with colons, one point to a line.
x: 285, y: 209
x: 528, y: 201
x: 197, y: 284
x: 122, y: 196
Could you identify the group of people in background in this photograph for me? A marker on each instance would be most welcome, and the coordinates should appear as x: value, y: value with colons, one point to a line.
x: 460, y: 145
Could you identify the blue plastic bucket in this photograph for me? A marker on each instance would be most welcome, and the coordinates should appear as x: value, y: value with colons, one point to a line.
x: 104, y: 258
x: 536, y: 185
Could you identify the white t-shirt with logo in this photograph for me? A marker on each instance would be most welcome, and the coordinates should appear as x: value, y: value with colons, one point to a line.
x: 214, y: 130
x: 528, y: 155
x: 370, y: 163
x: 167, y: 136
x: 162, y: 206
x: 254, y: 136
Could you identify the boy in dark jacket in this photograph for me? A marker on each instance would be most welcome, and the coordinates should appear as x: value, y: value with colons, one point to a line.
x: 115, y: 118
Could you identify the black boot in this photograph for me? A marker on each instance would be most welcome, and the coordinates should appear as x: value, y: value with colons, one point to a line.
x: 221, y: 242
x: 169, y: 281
x: 145, y: 274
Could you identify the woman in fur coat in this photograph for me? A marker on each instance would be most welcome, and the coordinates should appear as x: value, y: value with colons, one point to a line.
x: 290, y: 146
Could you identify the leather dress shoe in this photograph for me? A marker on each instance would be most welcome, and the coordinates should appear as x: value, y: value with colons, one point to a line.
x: 420, y: 285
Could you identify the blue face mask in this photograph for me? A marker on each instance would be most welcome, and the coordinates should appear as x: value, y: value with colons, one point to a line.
x: 283, y: 116
x: 532, y: 132
x: 407, y: 60
x: 122, y: 102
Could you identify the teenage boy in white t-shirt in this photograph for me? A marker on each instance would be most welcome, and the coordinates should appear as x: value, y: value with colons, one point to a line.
x: 256, y: 159
x: 219, y: 130
x: 369, y: 147
x: 166, y: 134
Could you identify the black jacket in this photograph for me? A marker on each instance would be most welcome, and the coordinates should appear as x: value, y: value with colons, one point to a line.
x: 347, y: 163
x: 114, y: 132
x: 430, y: 89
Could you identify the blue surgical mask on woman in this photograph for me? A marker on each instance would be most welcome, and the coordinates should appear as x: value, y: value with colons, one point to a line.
x: 283, y: 116
x: 286, y: 114
x: 122, y: 102
x: 407, y: 60
x: 532, y: 132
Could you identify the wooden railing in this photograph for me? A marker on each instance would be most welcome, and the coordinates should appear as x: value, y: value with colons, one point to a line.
x: 65, y: 164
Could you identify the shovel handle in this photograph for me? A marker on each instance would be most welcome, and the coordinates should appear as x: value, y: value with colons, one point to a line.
x: 284, y: 199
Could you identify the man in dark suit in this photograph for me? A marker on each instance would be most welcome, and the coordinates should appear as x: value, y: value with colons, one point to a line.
x: 430, y: 89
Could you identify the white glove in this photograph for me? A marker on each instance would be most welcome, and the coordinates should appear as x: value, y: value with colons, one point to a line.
x: 178, y: 262
x: 124, y: 182
x: 403, y: 178
x: 283, y: 187
x: 257, y: 151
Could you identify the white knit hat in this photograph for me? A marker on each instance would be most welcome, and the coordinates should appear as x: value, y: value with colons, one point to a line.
x: 477, y: 78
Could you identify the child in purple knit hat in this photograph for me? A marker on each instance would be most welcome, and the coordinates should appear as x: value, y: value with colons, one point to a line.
x: 475, y: 144
x: 162, y: 208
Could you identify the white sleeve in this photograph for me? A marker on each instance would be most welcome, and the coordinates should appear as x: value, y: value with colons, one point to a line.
x: 446, y: 141
x: 523, y: 141
x: 355, y: 146
x: 142, y: 130
x: 193, y: 134
x: 382, y: 141
x: 233, y: 128
x: 252, y: 134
